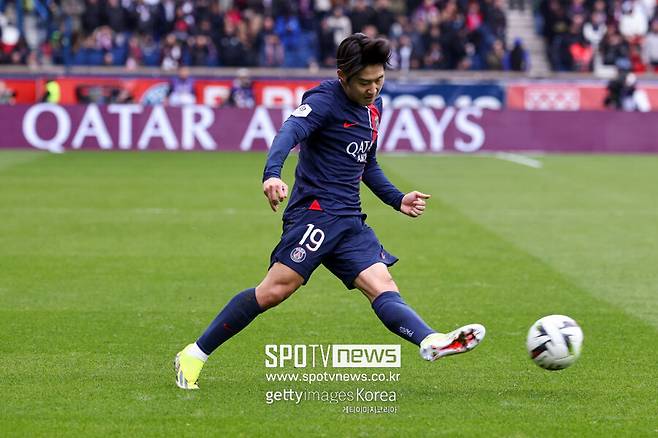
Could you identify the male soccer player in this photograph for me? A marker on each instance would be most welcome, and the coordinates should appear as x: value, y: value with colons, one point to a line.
x: 336, y: 127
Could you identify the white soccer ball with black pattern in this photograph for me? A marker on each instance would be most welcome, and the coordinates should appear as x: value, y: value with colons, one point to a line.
x: 554, y: 342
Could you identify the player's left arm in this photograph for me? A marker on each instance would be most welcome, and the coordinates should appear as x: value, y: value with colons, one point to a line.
x: 412, y: 204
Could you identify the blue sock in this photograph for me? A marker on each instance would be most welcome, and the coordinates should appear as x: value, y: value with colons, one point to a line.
x: 236, y: 315
x: 399, y: 318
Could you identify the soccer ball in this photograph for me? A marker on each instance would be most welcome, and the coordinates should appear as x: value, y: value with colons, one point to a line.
x: 554, y: 342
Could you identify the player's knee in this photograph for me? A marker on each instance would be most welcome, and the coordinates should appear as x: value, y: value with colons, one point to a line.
x: 270, y: 296
x: 386, y: 282
x: 373, y: 286
x: 382, y: 283
x: 380, y: 288
x: 389, y: 285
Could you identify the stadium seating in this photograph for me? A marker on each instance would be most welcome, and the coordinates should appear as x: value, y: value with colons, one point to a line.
x: 598, y: 35
x: 425, y: 34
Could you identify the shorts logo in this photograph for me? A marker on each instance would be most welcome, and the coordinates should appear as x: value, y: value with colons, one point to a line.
x: 298, y: 254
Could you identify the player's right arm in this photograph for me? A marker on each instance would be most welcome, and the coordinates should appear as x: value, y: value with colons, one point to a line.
x: 298, y: 127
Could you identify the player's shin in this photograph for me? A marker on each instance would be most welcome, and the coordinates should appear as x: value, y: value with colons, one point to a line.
x: 399, y: 318
x: 235, y: 316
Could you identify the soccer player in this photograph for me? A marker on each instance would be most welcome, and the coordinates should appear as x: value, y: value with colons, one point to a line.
x: 336, y: 127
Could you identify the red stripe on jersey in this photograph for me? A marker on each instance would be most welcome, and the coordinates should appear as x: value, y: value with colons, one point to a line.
x: 374, y: 121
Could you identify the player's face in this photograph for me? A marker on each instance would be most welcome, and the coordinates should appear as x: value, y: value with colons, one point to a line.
x: 364, y: 87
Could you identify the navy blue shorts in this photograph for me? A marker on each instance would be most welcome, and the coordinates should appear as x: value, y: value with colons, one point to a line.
x: 345, y: 245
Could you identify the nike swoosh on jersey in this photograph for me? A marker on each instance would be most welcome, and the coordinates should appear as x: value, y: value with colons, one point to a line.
x: 348, y: 124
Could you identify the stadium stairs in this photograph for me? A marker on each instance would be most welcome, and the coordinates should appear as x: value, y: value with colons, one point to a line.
x: 520, y: 24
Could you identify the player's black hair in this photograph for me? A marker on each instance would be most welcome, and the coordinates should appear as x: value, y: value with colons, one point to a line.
x: 358, y: 51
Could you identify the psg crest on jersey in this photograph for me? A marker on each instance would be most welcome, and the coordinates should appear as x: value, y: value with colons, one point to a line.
x: 298, y: 254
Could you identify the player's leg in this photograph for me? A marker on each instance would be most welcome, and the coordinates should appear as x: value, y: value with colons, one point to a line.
x: 304, y: 243
x: 279, y: 283
x: 377, y: 284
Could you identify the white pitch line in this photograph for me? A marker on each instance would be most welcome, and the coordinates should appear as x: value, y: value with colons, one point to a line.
x: 519, y: 159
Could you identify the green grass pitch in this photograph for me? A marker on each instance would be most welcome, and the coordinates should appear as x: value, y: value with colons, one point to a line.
x: 110, y: 263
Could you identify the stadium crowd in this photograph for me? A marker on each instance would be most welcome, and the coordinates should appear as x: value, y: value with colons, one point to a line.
x: 586, y: 35
x: 425, y: 34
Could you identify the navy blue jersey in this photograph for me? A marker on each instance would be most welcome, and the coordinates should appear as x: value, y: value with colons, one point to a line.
x: 338, y: 143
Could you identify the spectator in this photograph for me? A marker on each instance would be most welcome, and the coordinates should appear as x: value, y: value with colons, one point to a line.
x: 53, y: 93
x: 427, y: 12
x: 433, y: 58
x: 621, y: 92
x: 408, y: 57
x: 117, y: 16
x: 474, y: 17
x: 556, y: 22
x: 19, y: 53
x: 370, y: 31
x: 518, y: 57
x: 146, y: 18
x: 202, y: 51
x: 496, y: 19
x: 272, y: 54
x: 171, y: 54
x: 577, y: 8
x: 166, y: 16
x: 326, y: 45
x: 294, y: 40
x: 455, y: 41
x: 340, y: 25
x: 361, y: 16
x: 601, y: 7
x: 594, y: 30
x: 581, y: 54
x: 231, y: 50
x: 181, y: 89
x: 446, y: 34
x: 384, y: 17
x: 497, y: 57
x: 615, y: 51
x: 517, y: 5
x: 92, y: 17
x: 242, y: 93
x: 135, y: 55
x: 633, y: 22
x: 650, y: 48
x: 150, y: 51
x: 432, y: 36
x: 7, y: 95
x: 614, y: 30
x: 250, y: 50
x: 216, y: 22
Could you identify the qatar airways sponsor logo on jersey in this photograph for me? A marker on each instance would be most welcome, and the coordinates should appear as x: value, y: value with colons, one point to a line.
x: 359, y: 151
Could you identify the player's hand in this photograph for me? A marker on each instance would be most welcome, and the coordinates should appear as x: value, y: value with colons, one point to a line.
x: 413, y: 203
x: 275, y: 191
